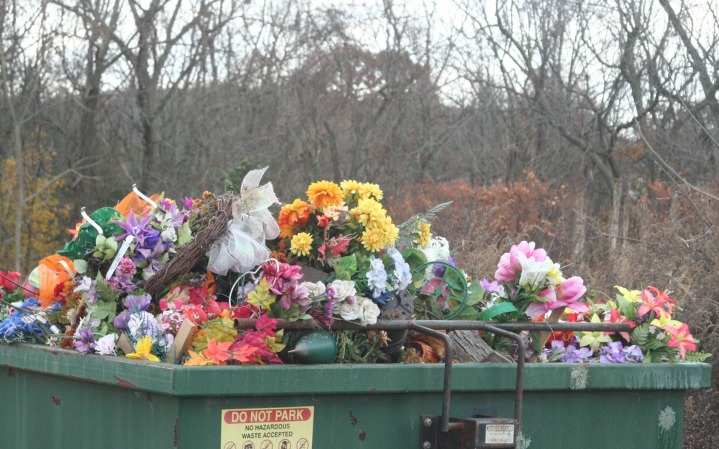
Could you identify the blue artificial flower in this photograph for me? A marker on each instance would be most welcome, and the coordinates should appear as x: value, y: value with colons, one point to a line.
x: 22, y: 324
x: 402, y: 274
x: 377, y: 278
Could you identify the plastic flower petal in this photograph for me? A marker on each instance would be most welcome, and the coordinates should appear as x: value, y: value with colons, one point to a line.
x: 629, y: 295
x: 196, y: 359
x: 217, y: 353
x: 261, y: 296
x: 682, y: 339
x: 142, y: 350
x: 593, y: 339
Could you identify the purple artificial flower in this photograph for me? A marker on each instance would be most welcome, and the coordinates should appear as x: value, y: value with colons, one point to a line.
x: 634, y: 353
x: 137, y: 303
x: 87, y: 285
x: 187, y: 202
x: 490, y: 287
x: 555, y: 351
x: 574, y: 355
x: 440, y: 269
x: 120, y: 321
x: 84, y: 340
x: 612, y: 353
x: 140, y: 230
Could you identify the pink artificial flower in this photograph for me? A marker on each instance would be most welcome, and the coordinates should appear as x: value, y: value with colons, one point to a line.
x: 566, y: 294
x: 651, y: 303
x: 681, y: 338
x: 509, y: 265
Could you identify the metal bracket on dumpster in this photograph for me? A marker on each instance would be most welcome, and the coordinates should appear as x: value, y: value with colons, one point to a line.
x: 443, y: 432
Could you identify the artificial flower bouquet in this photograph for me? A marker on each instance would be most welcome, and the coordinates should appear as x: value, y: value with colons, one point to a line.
x: 528, y: 285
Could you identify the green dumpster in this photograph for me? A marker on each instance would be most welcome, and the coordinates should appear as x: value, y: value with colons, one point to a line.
x: 53, y: 398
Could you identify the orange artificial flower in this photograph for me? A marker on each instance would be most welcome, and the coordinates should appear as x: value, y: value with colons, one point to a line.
x: 292, y: 217
x: 324, y: 194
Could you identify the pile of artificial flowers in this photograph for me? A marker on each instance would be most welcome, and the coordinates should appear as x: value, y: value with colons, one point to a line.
x: 335, y: 256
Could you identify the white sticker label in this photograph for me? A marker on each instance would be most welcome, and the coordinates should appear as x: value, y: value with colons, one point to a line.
x: 499, y: 434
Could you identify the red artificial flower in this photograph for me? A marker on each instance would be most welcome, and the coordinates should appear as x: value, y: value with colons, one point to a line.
x: 10, y: 281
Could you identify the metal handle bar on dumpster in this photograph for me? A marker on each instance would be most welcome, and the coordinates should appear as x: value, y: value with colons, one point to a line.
x: 448, y: 325
x: 447, y: 389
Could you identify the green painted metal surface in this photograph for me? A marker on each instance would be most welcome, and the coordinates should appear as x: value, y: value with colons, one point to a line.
x: 51, y: 398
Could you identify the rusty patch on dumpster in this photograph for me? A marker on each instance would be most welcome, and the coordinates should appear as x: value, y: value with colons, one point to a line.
x: 353, y: 419
x: 362, y: 436
x: 149, y: 398
x: 56, y: 400
x: 373, y: 390
x: 177, y: 431
x: 125, y: 383
x: 10, y: 372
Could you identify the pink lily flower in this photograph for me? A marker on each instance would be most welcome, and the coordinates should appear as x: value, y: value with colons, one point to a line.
x: 681, y: 338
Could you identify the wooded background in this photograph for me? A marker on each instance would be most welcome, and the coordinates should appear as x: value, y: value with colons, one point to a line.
x: 589, y: 127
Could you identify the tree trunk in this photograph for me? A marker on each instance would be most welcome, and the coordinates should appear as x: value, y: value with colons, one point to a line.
x: 615, y: 220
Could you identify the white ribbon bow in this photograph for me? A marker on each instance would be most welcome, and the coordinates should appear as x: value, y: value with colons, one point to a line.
x: 242, y: 247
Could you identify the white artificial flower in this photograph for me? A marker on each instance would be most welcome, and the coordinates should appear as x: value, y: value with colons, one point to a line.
x: 343, y: 289
x: 533, y: 273
x: 368, y: 311
x: 168, y: 235
x: 436, y: 249
x: 315, y: 289
x: 349, y: 310
x: 106, y: 345
x: 143, y: 324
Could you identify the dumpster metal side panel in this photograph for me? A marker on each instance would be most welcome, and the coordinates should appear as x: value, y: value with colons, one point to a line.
x: 51, y: 398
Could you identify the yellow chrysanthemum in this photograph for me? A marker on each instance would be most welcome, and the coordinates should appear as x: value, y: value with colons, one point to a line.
x: 367, y: 190
x: 368, y: 212
x: 423, y: 234
x: 373, y: 239
x: 301, y: 244
x: 324, y: 194
x: 389, y: 230
x: 350, y: 187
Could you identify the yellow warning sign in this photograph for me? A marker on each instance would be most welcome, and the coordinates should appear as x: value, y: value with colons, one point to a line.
x: 267, y: 428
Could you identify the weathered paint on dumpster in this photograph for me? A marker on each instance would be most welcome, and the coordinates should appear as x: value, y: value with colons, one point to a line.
x: 60, y: 399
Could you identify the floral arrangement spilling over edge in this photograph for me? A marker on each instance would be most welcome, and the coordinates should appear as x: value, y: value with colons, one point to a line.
x: 529, y: 285
x: 90, y: 296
